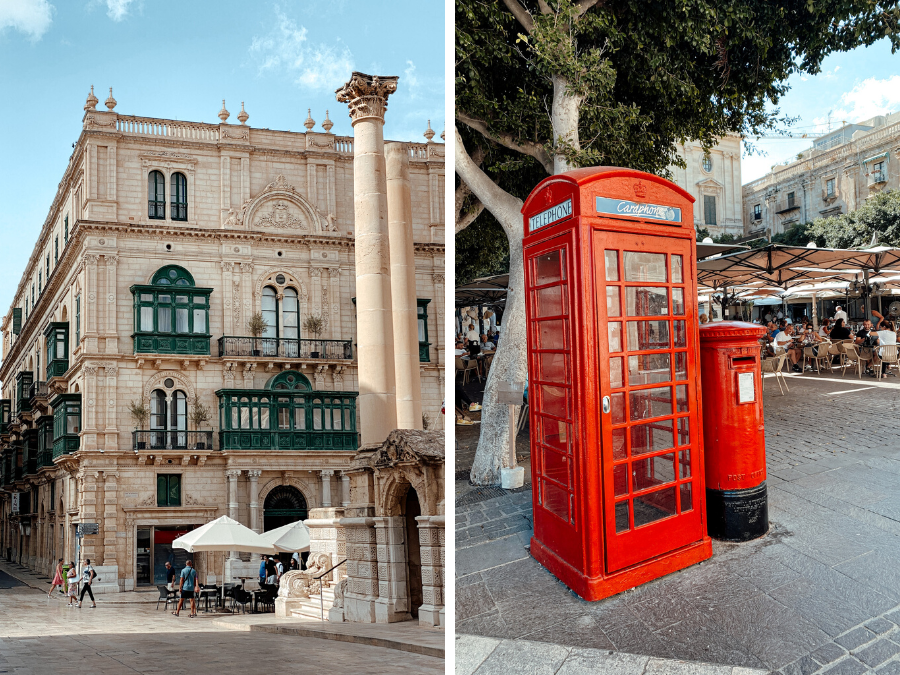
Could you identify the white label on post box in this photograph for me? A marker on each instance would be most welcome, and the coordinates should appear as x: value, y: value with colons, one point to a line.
x: 550, y: 216
x: 746, y: 388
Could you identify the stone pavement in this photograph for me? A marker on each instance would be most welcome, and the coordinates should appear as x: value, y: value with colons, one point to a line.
x: 819, y: 594
x: 41, y: 636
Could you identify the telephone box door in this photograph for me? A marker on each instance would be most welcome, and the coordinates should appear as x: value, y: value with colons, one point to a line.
x: 646, y: 309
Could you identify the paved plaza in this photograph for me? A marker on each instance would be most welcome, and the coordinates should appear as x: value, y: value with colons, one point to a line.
x: 819, y: 594
x: 40, y: 636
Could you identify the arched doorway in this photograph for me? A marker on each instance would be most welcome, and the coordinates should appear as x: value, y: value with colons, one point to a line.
x: 413, y: 553
x: 284, y: 505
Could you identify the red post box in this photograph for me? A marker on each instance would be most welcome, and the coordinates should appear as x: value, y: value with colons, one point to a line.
x: 733, y: 430
x: 616, y: 439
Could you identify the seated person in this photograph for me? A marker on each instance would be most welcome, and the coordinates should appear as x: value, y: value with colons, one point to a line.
x: 886, y: 336
x: 825, y: 328
x: 839, y: 331
x: 786, y: 339
x: 867, y: 340
x: 474, y: 348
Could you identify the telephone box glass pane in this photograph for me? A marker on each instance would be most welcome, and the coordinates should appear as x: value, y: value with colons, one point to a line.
x: 686, y: 498
x: 678, y: 301
x: 681, y: 401
x: 620, y: 480
x: 612, y: 265
x: 676, y: 269
x: 649, y: 369
x: 622, y: 518
x: 652, y: 437
x: 684, y: 462
x: 618, y: 440
x: 647, y: 300
x: 643, y: 335
x: 555, y: 434
x: 556, y: 466
x: 645, y: 266
x: 655, y: 506
x: 556, y: 500
x: 680, y: 366
x: 615, y: 372
x: 553, y: 401
x: 680, y: 335
x: 553, y: 368
x: 651, y: 471
x: 647, y: 403
x: 551, y: 335
x: 614, y: 328
x: 613, y: 306
x: 618, y: 408
x: 550, y: 301
x: 684, y: 431
x: 549, y: 267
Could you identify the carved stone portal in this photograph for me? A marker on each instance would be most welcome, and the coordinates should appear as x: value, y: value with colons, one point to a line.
x: 281, y: 217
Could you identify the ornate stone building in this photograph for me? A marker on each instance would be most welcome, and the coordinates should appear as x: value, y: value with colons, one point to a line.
x: 136, y: 399
x: 714, y: 179
x: 836, y: 175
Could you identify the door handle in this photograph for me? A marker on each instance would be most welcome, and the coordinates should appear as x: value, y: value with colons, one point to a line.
x: 606, y: 404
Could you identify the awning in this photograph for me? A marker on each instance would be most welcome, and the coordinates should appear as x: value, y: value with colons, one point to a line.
x: 874, y: 157
x: 484, y: 291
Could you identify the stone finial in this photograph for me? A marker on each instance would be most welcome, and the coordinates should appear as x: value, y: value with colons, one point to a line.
x: 223, y: 113
x: 310, y: 122
x: 243, y: 116
x: 327, y: 124
x: 367, y: 95
x: 429, y: 132
x: 110, y: 102
x: 91, y: 103
x: 444, y: 136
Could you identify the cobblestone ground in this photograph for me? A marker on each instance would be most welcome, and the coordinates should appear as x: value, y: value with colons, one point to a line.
x: 819, y: 594
x: 40, y: 636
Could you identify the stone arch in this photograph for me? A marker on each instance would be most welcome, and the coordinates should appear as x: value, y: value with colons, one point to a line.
x: 262, y: 212
x: 64, y: 316
x: 393, y: 489
x: 291, y: 278
x: 158, y: 380
x: 308, y: 492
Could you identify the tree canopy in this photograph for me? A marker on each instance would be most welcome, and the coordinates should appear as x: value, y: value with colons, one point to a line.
x: 878, y: 217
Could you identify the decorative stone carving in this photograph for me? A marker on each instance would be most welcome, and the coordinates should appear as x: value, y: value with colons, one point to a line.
x: 110, y: 102
x: 223, y: 113
x: 280, y: 183
x: 339, y: 591
x: 231, y: 220
x: 327, y: 124
x: 91, y: 103
x: 294, y: 584
x: 367, y: 95
x: 331, y: 223
x: 243, y: 116
x: 281, y: 217
x: 96, y: 122
x: 237, y: 134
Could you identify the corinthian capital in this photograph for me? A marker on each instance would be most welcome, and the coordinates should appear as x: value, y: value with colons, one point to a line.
x: 367, y: 95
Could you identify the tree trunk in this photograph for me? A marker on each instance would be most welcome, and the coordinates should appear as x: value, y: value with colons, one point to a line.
x: 564, y: 117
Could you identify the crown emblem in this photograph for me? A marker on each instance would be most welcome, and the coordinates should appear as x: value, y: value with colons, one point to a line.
x: 640, y: 191
x: 548, y: 198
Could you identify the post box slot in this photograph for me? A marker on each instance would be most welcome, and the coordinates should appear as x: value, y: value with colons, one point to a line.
x: 743, y: 360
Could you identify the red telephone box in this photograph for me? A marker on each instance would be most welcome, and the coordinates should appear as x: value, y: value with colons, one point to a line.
x: 613, y: 353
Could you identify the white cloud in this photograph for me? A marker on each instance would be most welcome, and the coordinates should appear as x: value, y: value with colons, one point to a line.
x: 867, y: 99
x: 410, y: 78
x: 32, y: 17
x: 287, y: 49
x: 117, y: 10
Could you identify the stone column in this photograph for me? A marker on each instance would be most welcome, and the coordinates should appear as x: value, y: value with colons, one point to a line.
x: 367, y: 98
x: 403, y: 288
x: 345, y: 489
x: 232, y: 476
x: 253, y: 476
x: 326, y: 488
x: 431, y: 548
x: 393, y: 590
x: 362, y: 570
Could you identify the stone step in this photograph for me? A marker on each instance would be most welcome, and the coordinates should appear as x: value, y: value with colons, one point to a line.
x: 311, y: 607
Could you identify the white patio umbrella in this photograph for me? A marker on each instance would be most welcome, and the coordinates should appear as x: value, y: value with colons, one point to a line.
x: 223, y: 534
x: 290, y: 538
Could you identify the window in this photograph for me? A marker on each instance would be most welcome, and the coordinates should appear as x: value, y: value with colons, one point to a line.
x: 829, y: 187
x: 422, y: 322
x: 706, y: 163
x: 878, y: 173
x: 283, y: 320
x: 40, y: 283
x: 48, y: 267
x: 57, y: 337
x: 790, y: 200
x: 709, y: 209
x: 66, y: 423
x: 171, y: 308
x: 66, y: 231
x: 179, y: 196
x: 56, y: 249
x: 77, y: 321
x: 32, y: 295
x: 757, y: 212
x: 168, y: 489
x: 156, y: 196
x: 168, y: 419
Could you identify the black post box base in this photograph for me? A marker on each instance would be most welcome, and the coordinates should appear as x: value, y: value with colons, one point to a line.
x: 737, y: 515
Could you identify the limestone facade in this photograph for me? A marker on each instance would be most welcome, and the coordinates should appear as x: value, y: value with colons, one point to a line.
x: 260, y: 220
x: 714, y: 179
x: 836, y: 175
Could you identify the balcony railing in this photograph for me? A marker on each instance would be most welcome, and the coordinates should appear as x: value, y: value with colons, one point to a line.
x: 172, y: 440
x: 286, y: 348
x: 877, y: 177
x: 156, y: 209
x: 179, y: 211
x: 45, y: 459
x: 38, y: 389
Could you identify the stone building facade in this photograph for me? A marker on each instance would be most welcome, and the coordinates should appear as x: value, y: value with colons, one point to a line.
x: 835, y: 176
x: 164, y: 239
x: 714, y: 179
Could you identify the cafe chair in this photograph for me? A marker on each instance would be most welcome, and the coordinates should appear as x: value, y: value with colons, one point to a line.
x: 822, y: 357
x: 167, y: 595
x: 241, y: 597
x: 888, y: 355
x: 851, y: 351
x: 465, y: 367
x: 834, y: 350
x: 775, y: 366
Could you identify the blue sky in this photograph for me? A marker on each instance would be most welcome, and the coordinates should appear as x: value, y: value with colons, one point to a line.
x: 179, y: 59
x: 854, y: 86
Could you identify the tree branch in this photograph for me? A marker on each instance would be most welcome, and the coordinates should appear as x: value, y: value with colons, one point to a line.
x: 504, y: 207
x: 463, y: 192
x: 469, y: 217
x: 520, y: 13
x: 585, y: 5
x: 529, y: 148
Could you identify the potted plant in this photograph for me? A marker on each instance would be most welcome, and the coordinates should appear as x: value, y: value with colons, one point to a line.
x: 140, y: 414
x: 315, y: 326
x: 256, y: 326
x: 200, y: 415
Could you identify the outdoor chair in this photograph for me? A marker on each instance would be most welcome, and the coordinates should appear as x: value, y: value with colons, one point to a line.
x: 466, y: 367
x: 852, y: 353
x: 889, y: 357
x: 820, y: 355
x: 241, y: 597
x: 167, y: 595
x: 267, y: 598
x: 774, y: 365
x: 834, y: 350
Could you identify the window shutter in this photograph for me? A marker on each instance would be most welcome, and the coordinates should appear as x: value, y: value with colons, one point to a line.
x: 17, y: 320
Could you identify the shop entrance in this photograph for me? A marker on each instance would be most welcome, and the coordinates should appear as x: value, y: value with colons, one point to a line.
x: 285, y: 505
x: 154, y: 549
x: 413, y: 552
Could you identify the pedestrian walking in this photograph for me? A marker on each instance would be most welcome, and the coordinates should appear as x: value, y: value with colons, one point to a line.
x: 270, y: 570
x: 279, y: 571
x: 57, y: 578
x: 262, y: 570
x: 186, y: 586
x: 170, y: 576
x: 72, y: 588
x: 87, y: 577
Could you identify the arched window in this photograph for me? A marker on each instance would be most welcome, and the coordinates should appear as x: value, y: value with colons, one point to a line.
x: 171, y: 314
x: 270, y: 311
x: 179, y: 197
x: 283, y: 321
x: 156, y: 196
x: 168, y: 419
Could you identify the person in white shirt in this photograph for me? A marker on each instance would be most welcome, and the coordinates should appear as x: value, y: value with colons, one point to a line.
x: 472, y: 334
x: 783, y: 339
x: 840, y: 314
